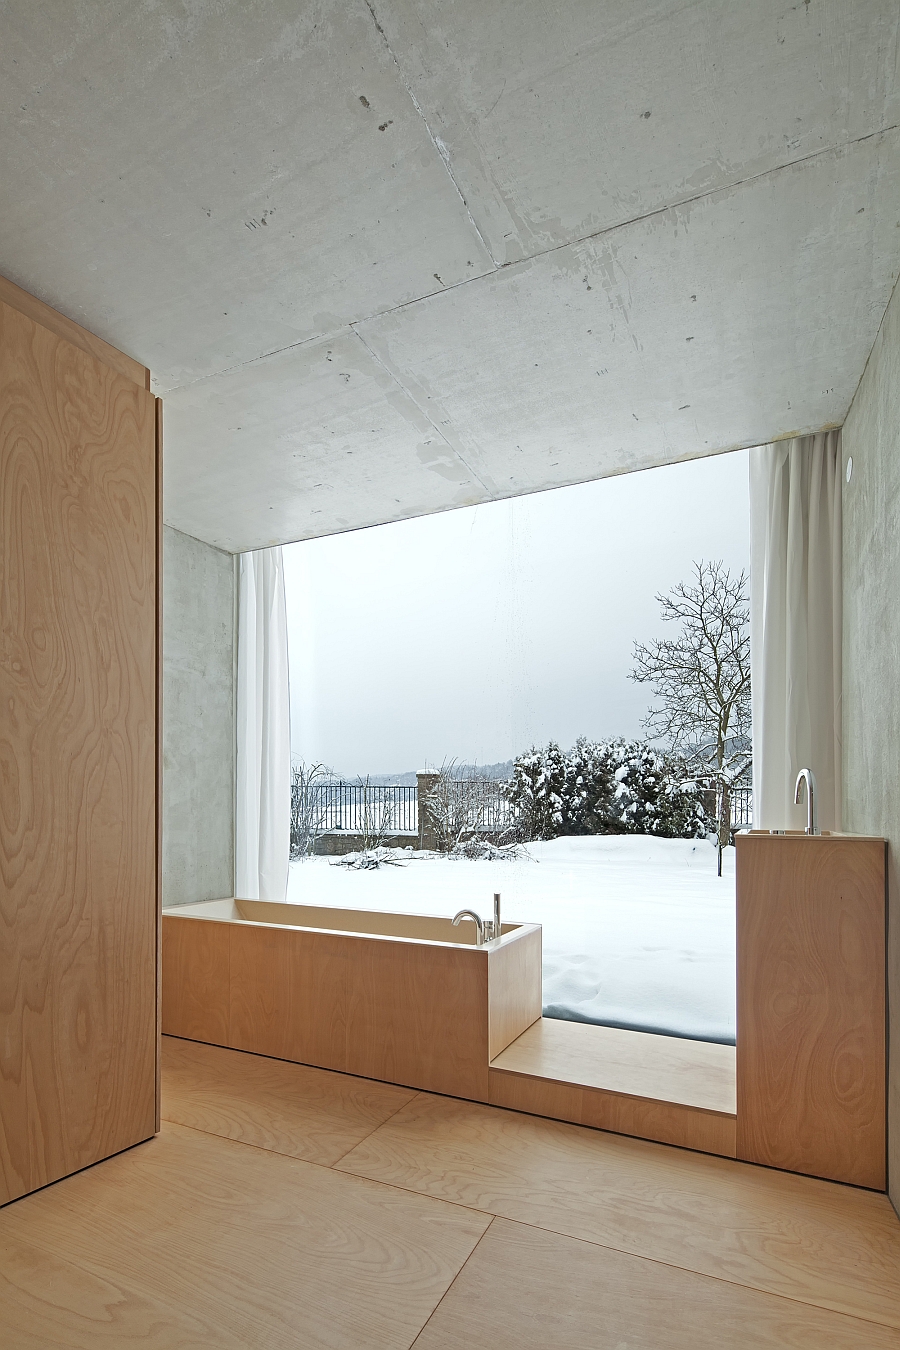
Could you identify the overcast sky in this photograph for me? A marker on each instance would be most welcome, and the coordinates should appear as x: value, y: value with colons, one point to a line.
x: 477, y: 633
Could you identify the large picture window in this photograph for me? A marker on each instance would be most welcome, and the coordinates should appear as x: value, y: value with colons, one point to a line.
x: 501, y: 698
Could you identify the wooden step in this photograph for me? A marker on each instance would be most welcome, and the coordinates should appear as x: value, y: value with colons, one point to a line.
x: 631, y: 1082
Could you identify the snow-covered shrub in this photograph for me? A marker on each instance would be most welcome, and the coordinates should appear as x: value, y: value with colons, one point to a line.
x: 604, y: 787
x: 369, y: 859
x: 541, y: 793
x: 482, y: 850
x: 653, y: 795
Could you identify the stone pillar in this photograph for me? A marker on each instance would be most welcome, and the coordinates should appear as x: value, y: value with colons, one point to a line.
x: 424, y: 784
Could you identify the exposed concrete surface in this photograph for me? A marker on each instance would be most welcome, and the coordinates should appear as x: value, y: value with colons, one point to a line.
x: 207, y: 185
x: 564, y: 120
x: 198, y: 721
x: 667, y: 338
x: 871, y: 655
x: 343, y: 440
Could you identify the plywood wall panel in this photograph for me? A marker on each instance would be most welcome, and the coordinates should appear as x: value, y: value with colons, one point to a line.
x: 78, y: 688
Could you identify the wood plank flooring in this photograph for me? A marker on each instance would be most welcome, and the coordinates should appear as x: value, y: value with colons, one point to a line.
x: 526, y: 1289
x: 289, y: 1108
x: 813, y: 1241
x: 191, y: 1241
x: 301, y: 1208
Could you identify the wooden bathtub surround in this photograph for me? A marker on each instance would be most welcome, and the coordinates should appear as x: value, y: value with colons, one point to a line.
x: 662, y: 1088
x: 803, y: 1091
x: 78, y: 748
x: 417, y: 1005
x: 811, y: 1005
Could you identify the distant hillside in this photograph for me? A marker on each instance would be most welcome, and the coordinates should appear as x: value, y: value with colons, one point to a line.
x: 499, y: 772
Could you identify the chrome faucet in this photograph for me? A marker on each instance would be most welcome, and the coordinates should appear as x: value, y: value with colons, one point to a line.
x: 479, y: 924
x: 485, y: 931
x: 812, y: 813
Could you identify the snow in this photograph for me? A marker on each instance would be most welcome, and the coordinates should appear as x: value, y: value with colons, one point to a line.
x: 638, y: 931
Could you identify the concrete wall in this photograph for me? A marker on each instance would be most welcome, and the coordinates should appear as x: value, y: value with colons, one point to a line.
x: 872, y: 647
x: 198, y: 720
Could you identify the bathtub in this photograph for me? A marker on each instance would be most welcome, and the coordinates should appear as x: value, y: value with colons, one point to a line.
x: 405, y: 998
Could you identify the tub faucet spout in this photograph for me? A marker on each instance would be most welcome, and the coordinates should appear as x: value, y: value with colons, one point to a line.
x: 479, y: 924
x: 812, y: 813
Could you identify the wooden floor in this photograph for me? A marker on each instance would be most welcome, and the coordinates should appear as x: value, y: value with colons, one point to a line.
x: 283, y: 1206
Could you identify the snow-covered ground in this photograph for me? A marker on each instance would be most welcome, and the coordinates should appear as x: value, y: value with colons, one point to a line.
x: 638, y: 932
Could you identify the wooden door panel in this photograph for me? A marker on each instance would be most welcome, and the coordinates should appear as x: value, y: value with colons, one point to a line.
x: 78, y: 656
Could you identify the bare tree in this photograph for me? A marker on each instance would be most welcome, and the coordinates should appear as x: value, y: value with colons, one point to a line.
x: 701, y: 679
x: 372, y: 819
x: 459, y: 806
x: 308, y: 806
x: 373, y: 815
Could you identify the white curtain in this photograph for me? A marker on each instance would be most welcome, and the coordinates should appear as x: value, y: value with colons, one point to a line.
x: 263, y: 765
x: 795, y: 627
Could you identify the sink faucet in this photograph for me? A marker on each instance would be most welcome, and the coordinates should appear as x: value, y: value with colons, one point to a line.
x: 479, y: 924
x: 812, y: 814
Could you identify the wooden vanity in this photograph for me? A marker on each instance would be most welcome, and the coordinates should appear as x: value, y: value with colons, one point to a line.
x: 811, y: 1004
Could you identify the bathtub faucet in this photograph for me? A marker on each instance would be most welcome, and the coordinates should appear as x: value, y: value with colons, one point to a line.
x: 812, y: 814
x: 497, y: 931
x: 479, y: 924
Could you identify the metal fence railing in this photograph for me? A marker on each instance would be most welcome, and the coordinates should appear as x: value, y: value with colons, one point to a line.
x: 741, y: 807
x: 346, y: 806
x: 394, y: 808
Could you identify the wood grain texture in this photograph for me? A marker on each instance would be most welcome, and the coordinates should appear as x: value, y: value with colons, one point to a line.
x: 811, y: 1005
x: 288, y: 1108
x: 524, y: 1289
x: 662, y: 1068
x: 514, y: 988
x: 78, y: 746
x: 831, y: 1246
x: 196, y: 972
x: 73, y: 333
x: 664, y: 1122
x: 192, y: 1241
x: 406, y: 1013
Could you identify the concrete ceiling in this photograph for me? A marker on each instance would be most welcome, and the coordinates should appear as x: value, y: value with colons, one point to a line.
x: 386, y: 257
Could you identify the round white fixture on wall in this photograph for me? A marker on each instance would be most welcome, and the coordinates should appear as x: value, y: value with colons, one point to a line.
x: 849, y: 467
